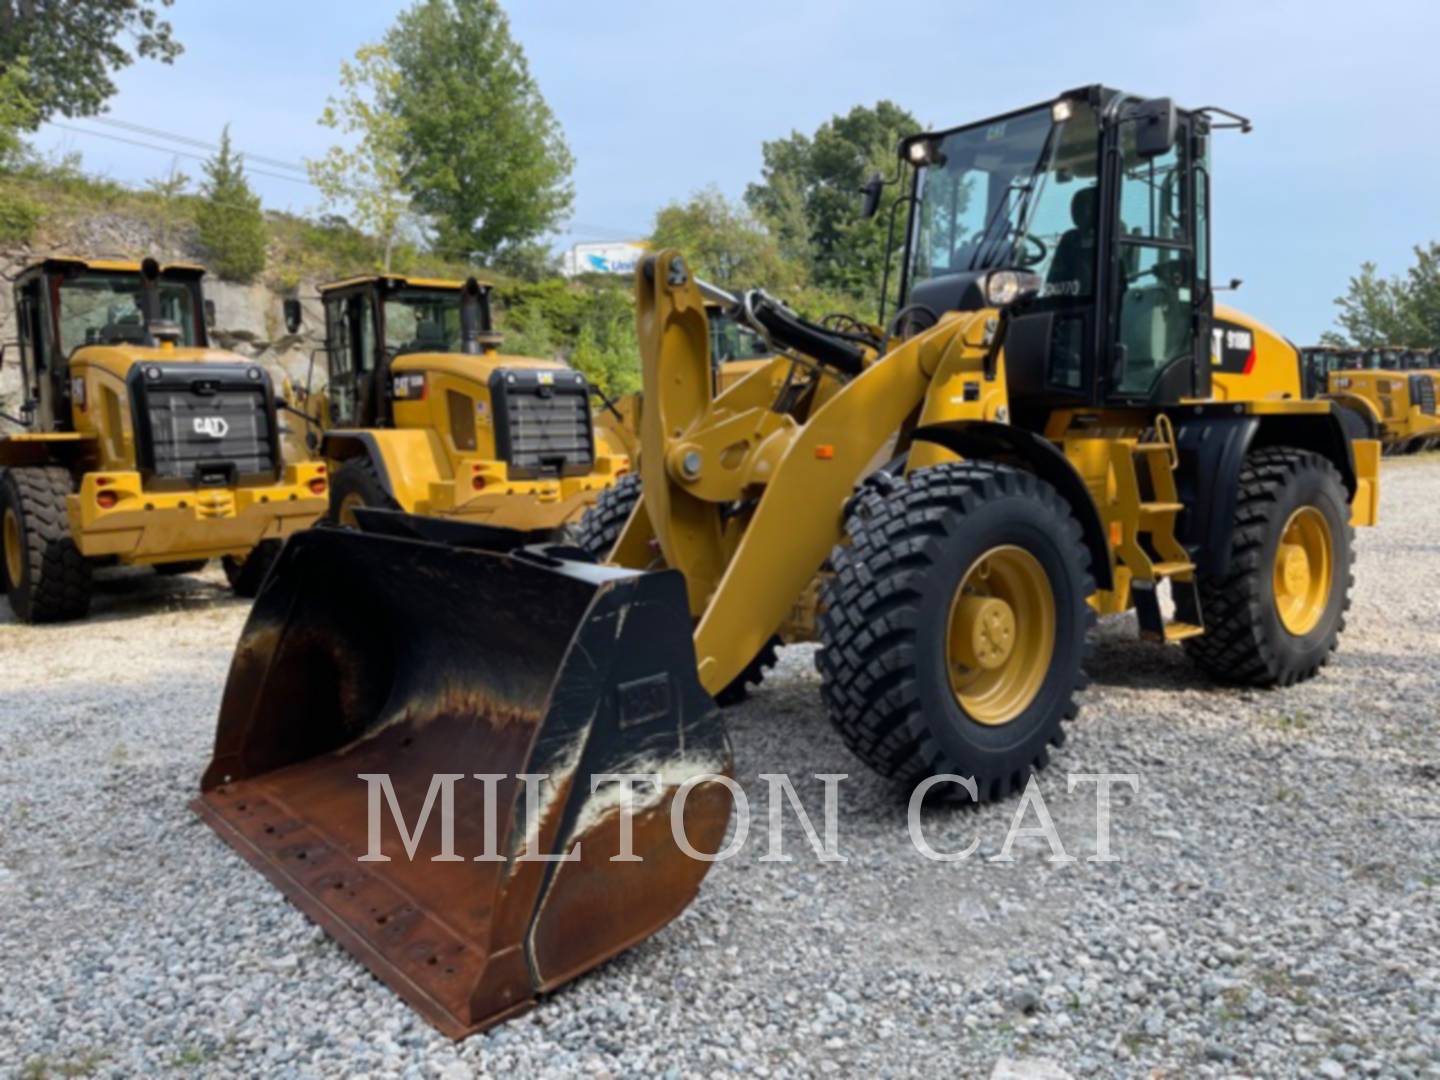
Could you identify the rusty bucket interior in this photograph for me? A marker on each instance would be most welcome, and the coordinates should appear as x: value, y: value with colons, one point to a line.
x: 369, y: 654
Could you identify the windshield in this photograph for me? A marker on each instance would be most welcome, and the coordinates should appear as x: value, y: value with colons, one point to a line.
x: 1013, y: 192
x: 422, y: 320
x: 731, y: 341
x: 104, y: 309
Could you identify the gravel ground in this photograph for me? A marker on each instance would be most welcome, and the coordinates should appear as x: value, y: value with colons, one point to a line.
x: 1273, y: 911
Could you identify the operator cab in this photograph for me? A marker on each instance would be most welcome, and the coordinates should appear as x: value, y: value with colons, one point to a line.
x: 64, y: 305
x: 1095, y: 207
x: 372, y: 321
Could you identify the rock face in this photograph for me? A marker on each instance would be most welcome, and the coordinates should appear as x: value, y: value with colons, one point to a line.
x: 249, y: 319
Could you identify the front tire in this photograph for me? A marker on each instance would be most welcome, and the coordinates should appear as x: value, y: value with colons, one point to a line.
x: 1275, y: 617
x: 603, y: 522
x: 45, y: 576
x: 357, y: 484
x: 954, y: 628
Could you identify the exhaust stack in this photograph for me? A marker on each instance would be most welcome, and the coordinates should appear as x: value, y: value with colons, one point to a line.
x: 477, y: 325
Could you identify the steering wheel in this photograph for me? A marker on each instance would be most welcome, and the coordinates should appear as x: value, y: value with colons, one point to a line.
x: 1036, y: 255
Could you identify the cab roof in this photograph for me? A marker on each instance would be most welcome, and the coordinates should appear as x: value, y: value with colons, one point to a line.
x: 57, y: 263
x: 397, y: 281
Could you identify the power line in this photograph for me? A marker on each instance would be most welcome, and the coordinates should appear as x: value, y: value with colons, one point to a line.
x: 570, y: 228
x: 171, y: 150
x: 189, y: 140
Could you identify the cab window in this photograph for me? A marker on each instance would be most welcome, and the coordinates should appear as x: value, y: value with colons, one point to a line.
x: 1156, y: 265
x: 104, y: 309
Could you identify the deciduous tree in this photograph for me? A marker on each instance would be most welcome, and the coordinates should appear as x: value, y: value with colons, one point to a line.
x: 484, y: 156
x: 368, y: 177
x: 810, y: 195
x: 74, y: 46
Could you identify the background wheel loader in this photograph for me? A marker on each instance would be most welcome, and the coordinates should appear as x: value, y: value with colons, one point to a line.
x: 1394, y: 389
x: 139, y: 443
x: 424, y: 414
x: 1035, y: 438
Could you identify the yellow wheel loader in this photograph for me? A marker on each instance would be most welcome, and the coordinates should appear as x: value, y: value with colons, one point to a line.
x: 1035, y: 437
x: 137, y: 442
x: 1393, y: 389
x: 424, y: 414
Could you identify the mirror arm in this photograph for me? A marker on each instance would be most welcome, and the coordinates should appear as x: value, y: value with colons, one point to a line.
x: 889, y: 247
x: 1241, y: 122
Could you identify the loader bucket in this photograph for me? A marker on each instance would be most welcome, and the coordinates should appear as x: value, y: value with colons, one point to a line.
x: 371, y: 654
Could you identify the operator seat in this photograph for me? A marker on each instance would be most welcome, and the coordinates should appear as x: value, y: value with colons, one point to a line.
x: 1075, y: 253
x: 430, y: 337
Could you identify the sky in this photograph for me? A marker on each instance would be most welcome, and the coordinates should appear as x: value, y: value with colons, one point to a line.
x: 659, y: 100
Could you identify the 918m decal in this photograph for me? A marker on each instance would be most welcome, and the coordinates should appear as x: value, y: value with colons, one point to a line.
x: 1232, y: 348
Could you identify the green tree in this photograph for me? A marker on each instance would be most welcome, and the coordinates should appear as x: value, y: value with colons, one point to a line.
x: 17, y: 112
x: 724, y: 243
x: 368, y: 177
x: 1403, y: 310
x: 484, y: 156
x: 74, y: 46
x: 809, y: 195
x: 231, y: 224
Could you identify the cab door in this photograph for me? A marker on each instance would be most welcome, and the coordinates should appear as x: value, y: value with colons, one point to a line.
x: 350, y: 336
x: 35, y: 368
x: 1159, y: 288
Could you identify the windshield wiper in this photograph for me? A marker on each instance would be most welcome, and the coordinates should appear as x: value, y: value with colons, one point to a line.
x: 985, y: 243
x: 1026, y: 189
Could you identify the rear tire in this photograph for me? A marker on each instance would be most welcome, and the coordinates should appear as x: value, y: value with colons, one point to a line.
x: 45, y: 576
x: 357, y: 484
x: 248, y: 574
x: 888, y: 673
x: 1246, y: 640
x: 175, y: 569
x: 603, y: 522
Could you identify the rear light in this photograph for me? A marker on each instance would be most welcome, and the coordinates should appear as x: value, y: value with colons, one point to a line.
x: 478, y: 483
x: 317, y: 486
x: 106, y: 499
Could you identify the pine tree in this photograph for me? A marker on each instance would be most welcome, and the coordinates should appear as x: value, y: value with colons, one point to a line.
x: 231, y: 224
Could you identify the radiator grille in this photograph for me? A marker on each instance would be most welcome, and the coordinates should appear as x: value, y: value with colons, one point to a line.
x: 542, y: 422
x: 1422, y: 393
x: 203, y: 425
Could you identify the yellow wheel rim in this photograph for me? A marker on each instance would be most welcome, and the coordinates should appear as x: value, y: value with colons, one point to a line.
x: 14, y: 552
x: 348, y: 506
x: 1001, y: 635
x: 1304, y: 570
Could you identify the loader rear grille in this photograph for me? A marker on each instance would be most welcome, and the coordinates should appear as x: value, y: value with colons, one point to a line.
x: 203, y: 425
x: 542, y: 422
x: 1422, y: 393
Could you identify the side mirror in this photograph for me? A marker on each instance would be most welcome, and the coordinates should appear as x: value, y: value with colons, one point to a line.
x: 1156, y: 127
x: 209, y: 314
x: 294, y: 315
x: 873, y: 189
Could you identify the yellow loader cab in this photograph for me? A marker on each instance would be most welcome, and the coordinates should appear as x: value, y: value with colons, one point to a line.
x: 427, y: 415
x: 140, y: 444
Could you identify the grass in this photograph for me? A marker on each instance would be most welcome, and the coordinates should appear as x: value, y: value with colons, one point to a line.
x: 40, y: 1068
x: 1298, y: 720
